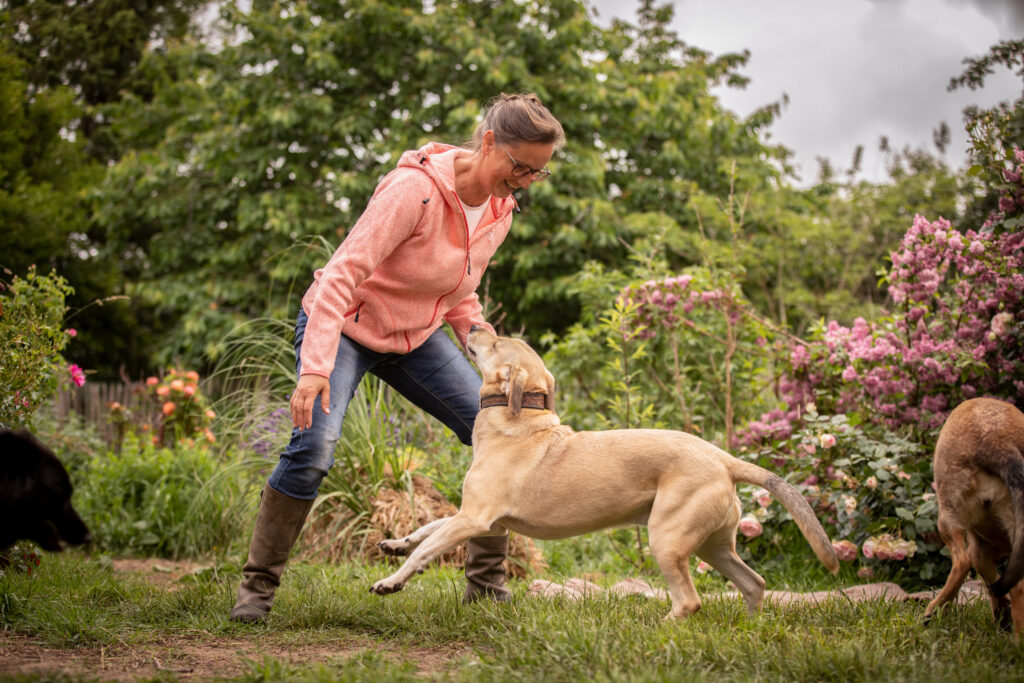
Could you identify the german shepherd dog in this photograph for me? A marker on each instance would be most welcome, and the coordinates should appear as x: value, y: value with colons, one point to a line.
x: 35, y: 496
x: 979, y: 478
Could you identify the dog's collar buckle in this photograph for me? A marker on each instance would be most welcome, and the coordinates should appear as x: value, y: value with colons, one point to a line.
x: 534, y: 400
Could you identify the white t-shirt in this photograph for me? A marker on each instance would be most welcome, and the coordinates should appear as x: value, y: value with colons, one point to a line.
x: 473, y: 213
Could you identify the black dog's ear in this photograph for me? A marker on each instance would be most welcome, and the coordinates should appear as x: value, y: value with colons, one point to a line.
x: 516, y: 386
x: 549, y: 397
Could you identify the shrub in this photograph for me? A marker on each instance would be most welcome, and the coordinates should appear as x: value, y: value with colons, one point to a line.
x: 870, y: 488
x: 151, y: 500
x: 185, y: 413
x: 32, y: 336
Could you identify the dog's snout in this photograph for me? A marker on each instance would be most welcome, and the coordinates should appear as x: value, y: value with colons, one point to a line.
x: 474, y: 328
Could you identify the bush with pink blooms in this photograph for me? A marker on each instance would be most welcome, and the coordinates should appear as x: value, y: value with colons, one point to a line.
x: 185, y: 413
x: 956, y: 332
x: 685, y: 345
x: 32, y: 339
x: 870, y: 488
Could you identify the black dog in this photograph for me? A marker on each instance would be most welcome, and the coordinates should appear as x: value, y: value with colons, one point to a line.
x: 35, y: 496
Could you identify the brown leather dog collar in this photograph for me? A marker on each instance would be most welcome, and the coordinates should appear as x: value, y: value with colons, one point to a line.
x: 530, y: 400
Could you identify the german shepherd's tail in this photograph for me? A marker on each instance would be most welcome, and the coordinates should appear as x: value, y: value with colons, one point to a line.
x: 792, y: 500
x: 1009, y: 465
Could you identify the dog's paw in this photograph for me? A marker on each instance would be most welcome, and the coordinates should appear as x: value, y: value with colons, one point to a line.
x: 385, y: 588
x: 394, y: 547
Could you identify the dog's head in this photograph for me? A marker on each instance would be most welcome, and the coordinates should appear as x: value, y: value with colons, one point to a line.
x: 510, y: 367
x: 35, y: 496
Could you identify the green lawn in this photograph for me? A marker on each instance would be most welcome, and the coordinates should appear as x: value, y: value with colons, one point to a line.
x: 327, y: 626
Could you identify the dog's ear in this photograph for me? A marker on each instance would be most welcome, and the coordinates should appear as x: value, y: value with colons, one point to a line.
x: 516, y: 386
x: 549, y: 397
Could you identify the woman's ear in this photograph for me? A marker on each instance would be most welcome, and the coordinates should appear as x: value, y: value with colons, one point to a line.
x: 549, y: 397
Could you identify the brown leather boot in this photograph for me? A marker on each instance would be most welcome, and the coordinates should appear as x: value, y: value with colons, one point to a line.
x: 278, y: 525
x: 485, y: 570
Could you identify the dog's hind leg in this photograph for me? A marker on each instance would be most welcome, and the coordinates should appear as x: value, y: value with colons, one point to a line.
x: 405, y: 545
x: 719, y: 550
x: 455, y: 530
x: 986, y: 566
x: 956, y: 541
x: 675, y: 534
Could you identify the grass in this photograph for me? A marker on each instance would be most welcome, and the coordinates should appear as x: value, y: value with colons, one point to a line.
x: 72, y: 601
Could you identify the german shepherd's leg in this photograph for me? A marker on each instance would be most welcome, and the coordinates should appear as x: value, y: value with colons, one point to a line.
x: 456, y: 530
x: 675, y: 534
x: 404, y: 546
x: 985, y: 564
x: 719, y: 550
x: 956, y: 540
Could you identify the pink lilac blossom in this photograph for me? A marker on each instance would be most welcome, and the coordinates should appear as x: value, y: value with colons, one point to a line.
x: 952, y: 336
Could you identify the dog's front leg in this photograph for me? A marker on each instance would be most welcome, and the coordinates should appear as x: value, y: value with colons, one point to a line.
x: 455, y: 530
x: 404, y: 546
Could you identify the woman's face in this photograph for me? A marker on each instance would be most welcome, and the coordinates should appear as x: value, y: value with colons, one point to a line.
x: 507, y: 168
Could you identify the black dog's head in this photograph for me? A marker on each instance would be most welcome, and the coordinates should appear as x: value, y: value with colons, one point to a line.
x: 35, y: 496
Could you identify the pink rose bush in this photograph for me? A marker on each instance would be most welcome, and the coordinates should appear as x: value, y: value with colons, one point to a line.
x: 870, y: 486
x: 185, y: 415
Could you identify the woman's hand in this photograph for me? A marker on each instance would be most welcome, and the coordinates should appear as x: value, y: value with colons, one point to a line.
x: 308, y: 388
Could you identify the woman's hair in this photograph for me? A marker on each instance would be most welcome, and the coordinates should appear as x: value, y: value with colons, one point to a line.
x: 518, y: 118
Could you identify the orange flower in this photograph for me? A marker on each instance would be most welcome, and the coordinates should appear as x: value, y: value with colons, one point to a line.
x: 177, y: 385
x: 163, y: 391
x: 210, y: 414
x: 152, y: 381
x: 169, y: 407
x: 190, y: 389
x: 192, y: 375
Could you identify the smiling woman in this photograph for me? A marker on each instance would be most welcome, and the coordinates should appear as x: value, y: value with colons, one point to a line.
x: 411, y: 262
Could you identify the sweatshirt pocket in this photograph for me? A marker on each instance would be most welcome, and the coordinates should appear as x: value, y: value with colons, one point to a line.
x: 354, y: 313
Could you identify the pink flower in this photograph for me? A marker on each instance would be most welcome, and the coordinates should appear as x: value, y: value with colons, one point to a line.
x: 190, y: 389
x: 703, y: 567
x: 192, y: 375
x: 763, y: 498
x: 865, y: 573
x: 152, y: 381
x: 828, y: 440
x: 750, y: 527
x: 71, y: 332
x: 177, y: 385
x: 210, y: 414
x: 163, y: 391
x: 77, y: 374
x: 846, y: 551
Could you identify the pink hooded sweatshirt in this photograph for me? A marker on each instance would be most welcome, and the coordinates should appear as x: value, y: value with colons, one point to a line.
x: 406, y: 266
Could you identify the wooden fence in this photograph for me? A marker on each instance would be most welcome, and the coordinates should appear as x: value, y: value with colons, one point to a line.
x: 92, y: 403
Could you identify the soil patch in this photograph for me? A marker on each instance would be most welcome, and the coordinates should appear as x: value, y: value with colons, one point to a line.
x: 197, y: 657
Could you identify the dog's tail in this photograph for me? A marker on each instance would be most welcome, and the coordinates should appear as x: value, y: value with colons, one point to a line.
x: 792, y: 500
x: 1009, y: 465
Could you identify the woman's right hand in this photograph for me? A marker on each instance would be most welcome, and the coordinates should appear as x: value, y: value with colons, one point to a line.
x: 306, y: 391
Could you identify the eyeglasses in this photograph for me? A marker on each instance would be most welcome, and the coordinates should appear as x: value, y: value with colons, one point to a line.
x: 520, y: 170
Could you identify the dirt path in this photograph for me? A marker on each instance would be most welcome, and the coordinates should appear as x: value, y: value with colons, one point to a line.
x: 197, y: 655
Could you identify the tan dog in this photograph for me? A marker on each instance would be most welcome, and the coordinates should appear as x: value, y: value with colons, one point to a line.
x: 540, y: 478
x: 979, y: 477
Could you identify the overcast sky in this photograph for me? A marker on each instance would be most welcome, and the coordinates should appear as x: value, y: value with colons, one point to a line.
x: 854, y: 70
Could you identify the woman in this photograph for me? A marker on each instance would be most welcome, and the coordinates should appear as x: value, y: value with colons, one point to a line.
x: 412, y: 261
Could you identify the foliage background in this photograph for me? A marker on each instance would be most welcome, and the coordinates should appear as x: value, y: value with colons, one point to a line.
x: 185, y: 172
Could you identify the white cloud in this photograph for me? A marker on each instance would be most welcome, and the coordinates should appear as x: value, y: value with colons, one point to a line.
x: 854, y: 70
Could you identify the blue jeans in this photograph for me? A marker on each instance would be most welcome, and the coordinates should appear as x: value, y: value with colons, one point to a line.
x: 434, y: 376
